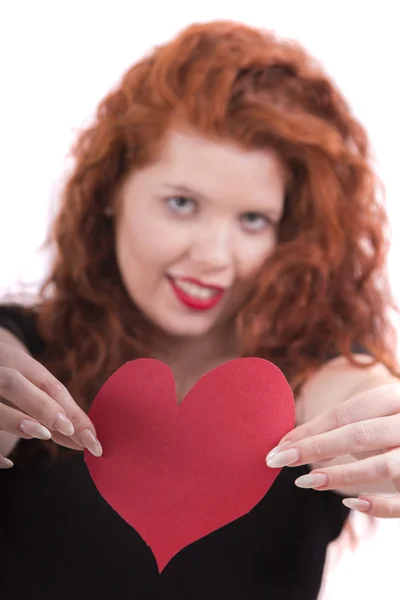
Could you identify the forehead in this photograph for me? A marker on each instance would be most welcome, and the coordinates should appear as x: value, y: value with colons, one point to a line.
x: 181, y: 146
x: 214, y: 165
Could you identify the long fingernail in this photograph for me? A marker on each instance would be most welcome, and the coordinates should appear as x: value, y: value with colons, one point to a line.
x: 35, y: 430
x: 312, y: 481
x: 278, y: 448
x: 284, y: 459
x: 5, y: 463
x: 63, y: 425
x: 356, y: 504
x: 91, y: 442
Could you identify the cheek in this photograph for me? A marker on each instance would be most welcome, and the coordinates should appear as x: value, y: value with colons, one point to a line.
x: 253, y: 257
x: 148, y: 247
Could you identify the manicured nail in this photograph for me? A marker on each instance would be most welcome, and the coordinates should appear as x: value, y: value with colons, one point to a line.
x: 63, y: 425
x: 5, y: 463
x: 357, y: 504
x: 35, y: 430
x: 312, y: 481
x: 283, y: 459
x: 278, y: 448
x: 90, y: 442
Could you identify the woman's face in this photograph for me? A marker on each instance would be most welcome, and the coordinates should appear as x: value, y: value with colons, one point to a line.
x: 194, y: 228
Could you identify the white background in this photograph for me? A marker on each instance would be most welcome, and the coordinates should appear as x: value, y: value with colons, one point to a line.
x: 57, y: 59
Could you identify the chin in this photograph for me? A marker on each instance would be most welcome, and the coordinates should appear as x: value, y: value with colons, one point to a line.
x: 181, y: 329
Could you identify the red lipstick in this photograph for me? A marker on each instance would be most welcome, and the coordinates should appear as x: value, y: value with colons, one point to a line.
x: 194, y: 302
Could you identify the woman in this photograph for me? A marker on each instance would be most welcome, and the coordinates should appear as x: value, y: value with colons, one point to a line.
x: 221, y: 205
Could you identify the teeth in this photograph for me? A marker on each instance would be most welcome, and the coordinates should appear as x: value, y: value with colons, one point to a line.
x: 195, y: 290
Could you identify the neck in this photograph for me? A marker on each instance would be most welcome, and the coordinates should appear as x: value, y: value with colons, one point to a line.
x: 190, y: 358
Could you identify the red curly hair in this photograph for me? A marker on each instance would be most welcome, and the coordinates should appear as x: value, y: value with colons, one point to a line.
x: 324, y: 287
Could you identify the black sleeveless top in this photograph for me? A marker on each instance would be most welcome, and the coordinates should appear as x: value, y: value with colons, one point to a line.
x: 60, y: 539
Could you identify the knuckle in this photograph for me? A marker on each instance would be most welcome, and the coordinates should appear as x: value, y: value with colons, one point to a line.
x: 52, y: 387
x: 341, y: 415
x: 363, y: 436
x: 42, y: 405
x: 317, y: 448
x: 304, y: 431
x: 389, y: 510
x: 308, y: 431
x: 8, y: 380
x: 387, y: 468
x: 348, y: 476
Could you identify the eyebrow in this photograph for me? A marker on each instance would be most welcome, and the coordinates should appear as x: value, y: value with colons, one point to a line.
x: 184, y: 189
x: 181, y: 188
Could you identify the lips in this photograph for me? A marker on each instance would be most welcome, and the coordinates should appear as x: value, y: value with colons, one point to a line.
x: 196, y: 294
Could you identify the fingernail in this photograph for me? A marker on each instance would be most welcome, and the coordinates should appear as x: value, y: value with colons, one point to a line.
x: 311, y: 481
x: 5, y: 463
x: 90, y: 442
x: 35, y: 430
x: 283, y: 459
x: 63, y: 425
x: 356, y: 504
x: 278, y: 448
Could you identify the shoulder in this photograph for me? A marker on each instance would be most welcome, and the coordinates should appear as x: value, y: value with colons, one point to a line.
x: 20, y: 320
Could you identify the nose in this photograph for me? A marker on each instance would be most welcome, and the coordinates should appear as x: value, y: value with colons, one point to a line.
x: 213, y: 246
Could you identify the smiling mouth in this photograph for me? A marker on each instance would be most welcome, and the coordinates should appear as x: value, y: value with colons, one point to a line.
x: 194, y: 294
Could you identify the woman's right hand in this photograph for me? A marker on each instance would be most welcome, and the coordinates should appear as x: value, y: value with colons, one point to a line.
x: 34, y: 404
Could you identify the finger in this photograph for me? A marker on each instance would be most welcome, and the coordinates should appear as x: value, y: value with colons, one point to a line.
x: 34, y: 402
x: 362, y: 407
x: 359, y: 437
x: 23, y: 394
x: 17, y: 423
x: 65, y: 441
x: 383, y: 507
x: 385, y: 467
x: 5, y: 463
x: 84, y: 430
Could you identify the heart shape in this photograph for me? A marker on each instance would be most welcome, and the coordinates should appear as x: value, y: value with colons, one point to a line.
x: 177, y: 473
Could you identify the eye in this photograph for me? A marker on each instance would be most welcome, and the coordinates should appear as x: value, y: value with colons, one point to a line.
x: 254, y: 221
x: 181, y: 205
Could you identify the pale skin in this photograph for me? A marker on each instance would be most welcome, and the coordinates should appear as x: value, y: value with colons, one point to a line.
x: 348, y: 431
x: 211, y: 210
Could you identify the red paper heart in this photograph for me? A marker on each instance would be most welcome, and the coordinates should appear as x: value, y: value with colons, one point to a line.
x: 177, y: 473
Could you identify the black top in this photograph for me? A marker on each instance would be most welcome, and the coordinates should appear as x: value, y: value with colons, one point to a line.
x: 60, y: 539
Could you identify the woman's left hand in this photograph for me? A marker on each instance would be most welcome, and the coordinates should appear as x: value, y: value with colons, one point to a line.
x: 367, y: 427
